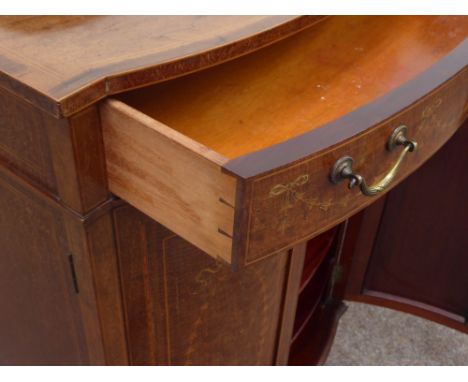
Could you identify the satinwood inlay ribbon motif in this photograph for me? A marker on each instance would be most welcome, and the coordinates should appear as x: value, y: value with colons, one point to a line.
x: 290, y: 189
x: 292, y: 193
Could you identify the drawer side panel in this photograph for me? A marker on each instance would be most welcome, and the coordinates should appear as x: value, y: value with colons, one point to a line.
x: 169, y: 177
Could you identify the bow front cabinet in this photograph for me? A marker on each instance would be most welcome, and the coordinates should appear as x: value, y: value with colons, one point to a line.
x: 199, y: 190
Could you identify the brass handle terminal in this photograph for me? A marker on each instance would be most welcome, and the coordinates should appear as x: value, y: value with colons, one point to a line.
x: 343, y: 167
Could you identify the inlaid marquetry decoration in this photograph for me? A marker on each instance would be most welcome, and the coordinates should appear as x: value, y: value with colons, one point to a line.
x: 430, y: 115
x: 294, y: 203
x: 430, y: 110
x: 292, y: 193
x: 294, y: 196
x: 203, y: 277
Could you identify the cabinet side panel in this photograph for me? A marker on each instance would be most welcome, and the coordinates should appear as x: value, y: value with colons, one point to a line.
x: 78, y: 159
x: 93, y: 247
x: 23, y: 140
x: 40, y: 318
x: 185, y: 308
x: 63, y: 157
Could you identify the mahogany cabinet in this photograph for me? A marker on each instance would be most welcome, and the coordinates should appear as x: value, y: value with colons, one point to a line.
x: 210, y: 190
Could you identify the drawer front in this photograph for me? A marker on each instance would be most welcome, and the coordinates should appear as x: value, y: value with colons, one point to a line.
x: 296, y: 202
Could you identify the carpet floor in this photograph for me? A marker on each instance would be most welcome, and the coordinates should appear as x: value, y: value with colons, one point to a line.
x: 371, y: 335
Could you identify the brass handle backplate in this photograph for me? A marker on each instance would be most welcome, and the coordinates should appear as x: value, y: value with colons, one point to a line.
x: 343, y: 167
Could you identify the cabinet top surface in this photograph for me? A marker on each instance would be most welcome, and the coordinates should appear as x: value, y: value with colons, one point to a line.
x: 63, y: 63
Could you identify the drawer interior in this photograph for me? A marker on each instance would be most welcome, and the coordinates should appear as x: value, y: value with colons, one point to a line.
x: 300, y: 83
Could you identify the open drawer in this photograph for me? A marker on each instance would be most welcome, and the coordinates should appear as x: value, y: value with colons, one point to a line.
x: 237, y: 158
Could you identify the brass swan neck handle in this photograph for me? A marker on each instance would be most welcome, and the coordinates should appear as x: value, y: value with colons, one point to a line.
x: 343, y: 167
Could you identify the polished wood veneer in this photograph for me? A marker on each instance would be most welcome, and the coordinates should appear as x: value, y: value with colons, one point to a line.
x: 270, y: 189
x: 61, y: 302
x: 193, y: 221
x: 185, y: 308
x: 96, y: 56
x: 301, y: 83
x: 44, y: 307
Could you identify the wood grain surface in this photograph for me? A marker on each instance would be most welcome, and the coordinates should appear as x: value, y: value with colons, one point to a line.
x: 60, y: 292
x: 293, y: 203
x: 171, y: 178
x: 78, y: 160
x: 301, y: 83
x: 90, y: 280
x: 24, y: 144
x: 40, y: 320
x: 185, y: 308
x: 64, y: 63
x: 63, y: 157
x: 258, y: 104
x: 354, y: 123
x: 292, y: 288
